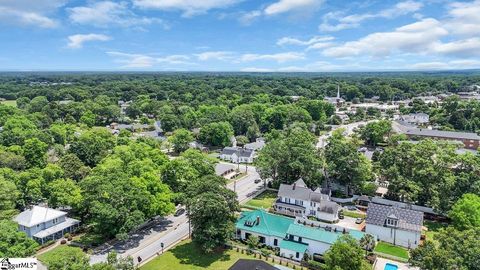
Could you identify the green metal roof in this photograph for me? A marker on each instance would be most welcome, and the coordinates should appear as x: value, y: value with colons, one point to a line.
x: 293, y: 246
x: 320, y: 234
x: 270, y: 224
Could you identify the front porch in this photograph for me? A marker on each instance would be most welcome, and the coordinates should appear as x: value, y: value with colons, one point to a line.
x: 286, y: 209
x: 56, y: 232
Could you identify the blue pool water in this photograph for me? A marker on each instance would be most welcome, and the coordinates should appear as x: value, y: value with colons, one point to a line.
x: 390, y: 266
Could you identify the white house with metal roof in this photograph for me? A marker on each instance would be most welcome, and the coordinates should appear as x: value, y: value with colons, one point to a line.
x: 44, y: 224
x: 395, y: 225
x: 298, y: 200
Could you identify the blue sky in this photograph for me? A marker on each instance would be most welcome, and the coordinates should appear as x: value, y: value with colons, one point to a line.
x: 239, y: 35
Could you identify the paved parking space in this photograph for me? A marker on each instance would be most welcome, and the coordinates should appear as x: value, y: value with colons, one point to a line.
x: 349, y: 222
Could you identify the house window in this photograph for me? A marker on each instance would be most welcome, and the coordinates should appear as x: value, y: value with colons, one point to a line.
x: 300, y: 239
x: 297, y: 255
x: 275, y: 242
x: 392, y: 222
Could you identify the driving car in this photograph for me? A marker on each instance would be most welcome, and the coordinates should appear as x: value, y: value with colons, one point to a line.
x: 359, y: 220
x: 257, y: 181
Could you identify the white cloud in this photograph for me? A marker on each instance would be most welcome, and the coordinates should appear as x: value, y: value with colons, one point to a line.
x: 464, y: 18
x: 459, y: 48
x: 352, y: 21
x: 107, y: 13
x: 418, y: 37
x: 294, y: 41
x: 130, y: 60
x: 283, y: 6
x: 76, y: 41
x: 278, y: 57
x: 249, y: 17
x: 188, y: 7
x: 254, y: 69
x: 30, y: 13
x: 215, y: 55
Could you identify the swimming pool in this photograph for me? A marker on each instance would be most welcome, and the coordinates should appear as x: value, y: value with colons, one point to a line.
x: 390, y: 266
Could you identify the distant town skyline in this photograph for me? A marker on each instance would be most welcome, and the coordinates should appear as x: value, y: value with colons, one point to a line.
x: 239, y: 35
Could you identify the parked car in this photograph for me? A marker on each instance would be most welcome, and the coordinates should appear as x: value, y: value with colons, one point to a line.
x: 257, y: 180
x: 359, y: 220
x: 340, y: 215
x: 352, y: 207
x: 179, y: 212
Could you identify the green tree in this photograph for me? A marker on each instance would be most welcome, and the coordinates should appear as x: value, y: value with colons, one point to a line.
x: 452, y: 250
x: 14, y: 243
x: 64, y: 192
x: 367, y: 242
x: 345, y: 253
x: 375, y: 132
x: 216, y: 134
x: 73, y: 167
x: 125, y: 189
x: 8, y: 197
x: 181, y: 139
x: 93, y: 145
x: 465, y: 212
x: 291, y: 156
x: 211, y: 209
x: 345, y: 164
x: 35, y: 153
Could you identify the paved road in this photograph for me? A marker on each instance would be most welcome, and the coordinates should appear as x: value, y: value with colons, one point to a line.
x: 169, y: 231
x: 349, y: 129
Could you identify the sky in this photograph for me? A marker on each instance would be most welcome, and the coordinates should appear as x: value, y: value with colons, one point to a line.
x: 239, y: 35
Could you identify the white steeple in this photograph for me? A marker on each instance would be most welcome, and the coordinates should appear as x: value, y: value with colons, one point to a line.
x: 338, y: 91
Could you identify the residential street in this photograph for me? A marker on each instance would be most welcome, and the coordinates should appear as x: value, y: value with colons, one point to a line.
x: 146, y: 243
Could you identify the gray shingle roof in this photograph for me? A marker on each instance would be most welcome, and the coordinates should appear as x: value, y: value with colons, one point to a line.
x: 443, y: 134
x: 410, y: 220
x: 328, y: 207
x: 238, y: 151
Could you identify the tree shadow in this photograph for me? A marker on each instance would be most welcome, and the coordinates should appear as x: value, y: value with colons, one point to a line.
x: 191, y: 254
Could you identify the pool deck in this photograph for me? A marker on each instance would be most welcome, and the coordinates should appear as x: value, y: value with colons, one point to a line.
x: 381, y: 262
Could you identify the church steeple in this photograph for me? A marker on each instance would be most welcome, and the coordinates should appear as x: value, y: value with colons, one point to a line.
x: 338, y: 91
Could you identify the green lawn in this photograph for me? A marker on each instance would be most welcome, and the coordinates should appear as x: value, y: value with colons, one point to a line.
x: 354, y: 214
x: 12, y: 103
x: 186, y: 256
x: 433, y: 228
x: 390, y: 249
x: 59, y: 252
x: 264, y: 200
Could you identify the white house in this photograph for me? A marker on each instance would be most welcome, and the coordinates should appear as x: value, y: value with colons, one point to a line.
x: 291, y: 238
x: 395, y: 225
x: 44, y: 224
x: 415, y: 118
x: 237, y: 155
x: 299, y: 200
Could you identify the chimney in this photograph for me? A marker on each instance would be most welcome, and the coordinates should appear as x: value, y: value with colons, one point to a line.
x: 294, y: 184
x: 258, y: 220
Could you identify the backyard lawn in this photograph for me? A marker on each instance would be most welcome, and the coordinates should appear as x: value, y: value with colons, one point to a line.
x: 186, y: 256
x: 354, y: 214
x: 264, y: 200
x: 392, y: 250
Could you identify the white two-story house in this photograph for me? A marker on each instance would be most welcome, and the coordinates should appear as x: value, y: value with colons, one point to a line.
x: 298, y: 200
x: 237, y: 155
x: 395, y: 225
x: 44, y: 224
